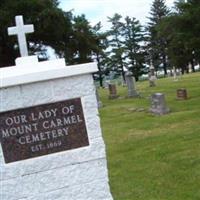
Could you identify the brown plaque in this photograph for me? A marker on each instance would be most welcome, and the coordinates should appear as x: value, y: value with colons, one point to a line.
x: 41, y: 130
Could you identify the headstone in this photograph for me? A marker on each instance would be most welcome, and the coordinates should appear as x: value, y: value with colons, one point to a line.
x: 181, y: 94
x: 190, y: 67
x: 112, y: 91
x: 130, y: 81
x: 152, y: 76
x: 158, y: 104
x: 51, y: 141
x: 175, y: 74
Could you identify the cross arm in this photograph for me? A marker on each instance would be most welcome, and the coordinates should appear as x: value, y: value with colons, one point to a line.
x: 28, y: 28
x: 12, y: 31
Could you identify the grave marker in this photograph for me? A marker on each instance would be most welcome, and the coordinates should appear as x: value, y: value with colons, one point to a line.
x: 152, y: 76
x: 158, y: 104
x: 112, y: 91
x: 181, y: 94
x: 130, y: 81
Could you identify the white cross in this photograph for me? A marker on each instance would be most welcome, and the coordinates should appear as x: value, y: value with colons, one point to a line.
x: 20, y: 30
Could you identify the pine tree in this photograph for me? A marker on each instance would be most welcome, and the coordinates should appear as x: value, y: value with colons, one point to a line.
x: 99, y: 51
x: 116, y: 61
x: 133, y: 39
x: 45, y: 15
x: 182, y: 29
x: 157, y: 45
x: 82, y: 40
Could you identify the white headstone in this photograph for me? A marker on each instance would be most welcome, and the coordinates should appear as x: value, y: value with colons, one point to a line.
x: 190, y: 67
x: 20, y: 30
x: 152, y: 76
x: 174, y: 74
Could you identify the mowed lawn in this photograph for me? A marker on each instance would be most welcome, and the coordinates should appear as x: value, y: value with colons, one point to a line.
x: 153, y: 157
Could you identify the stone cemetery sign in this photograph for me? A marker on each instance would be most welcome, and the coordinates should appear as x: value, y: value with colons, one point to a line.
x: 51, y: 140
x: 41, y: 130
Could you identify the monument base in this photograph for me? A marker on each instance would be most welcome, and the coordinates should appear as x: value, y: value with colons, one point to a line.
x: 161, y: 111
x: 78, y: 173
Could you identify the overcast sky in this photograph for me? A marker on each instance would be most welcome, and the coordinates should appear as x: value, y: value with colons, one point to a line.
x: 99, y: 10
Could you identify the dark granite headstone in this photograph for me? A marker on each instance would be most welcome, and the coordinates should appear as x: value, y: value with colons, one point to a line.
x: 112, y: 91
x: 181, y: 94
x: 41, y: 130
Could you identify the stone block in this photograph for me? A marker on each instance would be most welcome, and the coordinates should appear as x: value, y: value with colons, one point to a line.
x: 158, y: 104
x: 55, y: 179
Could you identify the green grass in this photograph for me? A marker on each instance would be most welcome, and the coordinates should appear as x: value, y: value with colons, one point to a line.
x: 152, y: 157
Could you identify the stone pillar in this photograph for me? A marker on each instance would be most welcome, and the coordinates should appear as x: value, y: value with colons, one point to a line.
x: 158, y: 104
x: 181, y: 94
x: 63, y: 156
x: 130, y: 81
x: 112, y: 91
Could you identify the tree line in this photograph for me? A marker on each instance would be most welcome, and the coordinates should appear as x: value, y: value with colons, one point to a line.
x: 169, y: 39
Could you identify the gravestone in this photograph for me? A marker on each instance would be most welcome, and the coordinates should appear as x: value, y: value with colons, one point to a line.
x: 175, y: 74
x: 152, y: 76
x: 51, y: 141
x: 130, y: 81
x: 158, y: 104
x: 112, y: 91
x: 181, y: 94
x: 190, y: 67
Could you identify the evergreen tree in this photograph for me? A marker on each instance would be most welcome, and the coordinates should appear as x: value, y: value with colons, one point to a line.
x: 52, y: 27
x: 157, y: 45
x: 133, y: 39
x: 99, y: 51
x: 116, y: 61
x: 70, y: 36
x: 181, y: 30
x: 190, y: 28
x: 82, y: 40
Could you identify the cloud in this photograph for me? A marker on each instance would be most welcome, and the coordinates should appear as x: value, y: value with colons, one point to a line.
x: 99, y: 10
